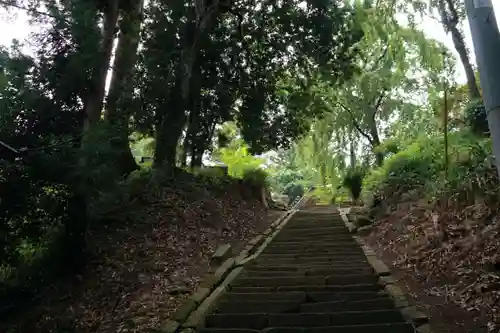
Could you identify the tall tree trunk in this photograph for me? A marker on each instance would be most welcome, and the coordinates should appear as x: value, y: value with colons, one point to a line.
x: 450, y: 20
x: 95, y: 98
x: 170, y: 127
x: 75, y: 237
x: 375, y: 142
x: 121, y: 87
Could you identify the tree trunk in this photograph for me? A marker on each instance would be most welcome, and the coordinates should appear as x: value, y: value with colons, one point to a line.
x: 459, y: 44
x: 75, y: 231
x: 352, y: 150
x: 375, y: 142
x: 121, y: 87
x: 450, y: 20
x: 170, y: 130
x: 93, y: 105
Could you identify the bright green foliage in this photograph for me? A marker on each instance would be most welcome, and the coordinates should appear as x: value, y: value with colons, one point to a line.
x: 421, y: 165
x: 239, y: 160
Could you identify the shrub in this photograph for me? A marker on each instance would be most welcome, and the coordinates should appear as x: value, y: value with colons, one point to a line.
x: 256, y: 177
x: 294, y: 191
x: 475, y: 118
x: 421, y: 165
x: 353, y: 181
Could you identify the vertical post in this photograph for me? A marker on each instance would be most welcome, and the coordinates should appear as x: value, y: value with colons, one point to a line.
x: 486, y: 41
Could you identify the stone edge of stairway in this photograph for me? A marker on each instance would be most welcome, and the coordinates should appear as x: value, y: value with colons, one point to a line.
x: 192, y: 311
x: 419, y: 320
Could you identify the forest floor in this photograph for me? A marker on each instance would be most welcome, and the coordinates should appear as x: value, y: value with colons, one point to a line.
x: 143, y: 269
x: 450, y: 268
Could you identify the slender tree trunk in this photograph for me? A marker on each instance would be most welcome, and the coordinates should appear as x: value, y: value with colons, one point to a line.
x: 379, y: 156
x: 121, y: 88
x: 459, y: 44
x: 450, y: 18
x: 352, y: 150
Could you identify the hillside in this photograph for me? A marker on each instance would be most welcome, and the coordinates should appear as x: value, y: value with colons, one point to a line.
x: 146, y: 263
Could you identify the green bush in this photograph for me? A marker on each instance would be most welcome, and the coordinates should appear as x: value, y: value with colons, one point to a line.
x: 421, y: 165
x: 353, y: 181
x: 294, y: 191
x: 257, y: 177
x: 475, y: 118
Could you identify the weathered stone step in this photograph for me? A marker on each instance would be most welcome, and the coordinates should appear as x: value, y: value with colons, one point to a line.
x: 344, y: 288
x: 356, y: 305
x: 304, y: 297
x: 260, y: 321
x: 347, y: 241
x: 319, y: 279
x: 346, y: 256
x: 304, y: 239
x: 307, y: 288
x: 308, y: 247
x: 314, y: 232
x: 293, y: 296
x: 310, y: 261
x: 344, y: 296
x: 309, y: 280
x: 258, y: 306
x: 380, y: 328
x: 328, y: 270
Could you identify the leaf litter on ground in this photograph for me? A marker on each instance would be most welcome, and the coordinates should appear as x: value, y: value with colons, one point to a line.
x: 447, y: 256
x: 143, y: 270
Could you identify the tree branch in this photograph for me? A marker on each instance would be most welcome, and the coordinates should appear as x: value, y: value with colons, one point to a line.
x: 355, y: 123
x: 378, y: 103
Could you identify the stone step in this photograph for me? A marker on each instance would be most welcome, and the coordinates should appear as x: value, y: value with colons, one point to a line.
x: 308, y: 280
x: 380, y: 328
x: 258, y: 306
x: 293, y: 296
x: 314, y: 232
x: 312, y: 278
x: 249, y: 272
x: 344, y: 296
x: 260, y: 321
x: 344, y: 288
x: 341, y: 256
x: 318, y: 243
x: 305, y: 248
x: 304, y: 297
x: 304, y: 239
x: 307, y: 229
x: 306, y: 267
x: 308, y: 288
x: 311, y: 261
x: 355, y: 305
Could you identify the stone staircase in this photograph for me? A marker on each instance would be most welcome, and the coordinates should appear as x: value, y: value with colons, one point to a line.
x: 312, y: 278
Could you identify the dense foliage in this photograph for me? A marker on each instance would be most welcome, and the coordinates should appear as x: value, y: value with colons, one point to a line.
x: 188, y: 81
